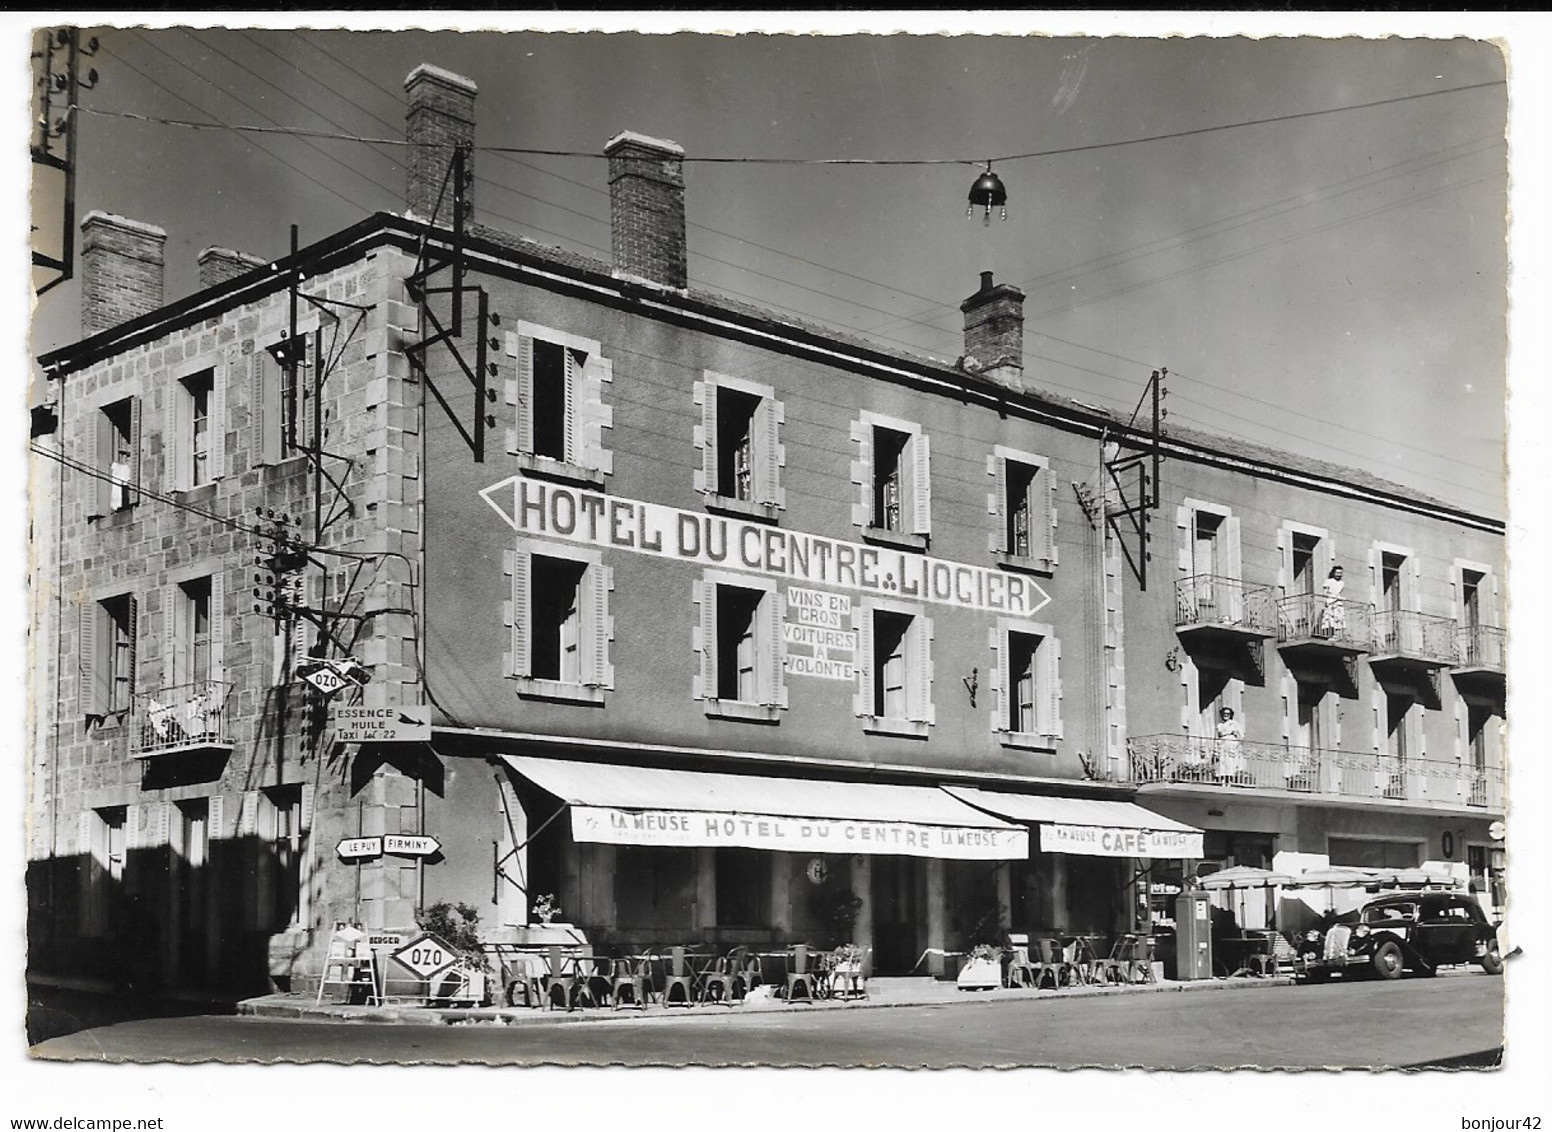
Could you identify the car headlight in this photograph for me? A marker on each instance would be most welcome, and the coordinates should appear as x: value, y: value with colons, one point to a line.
x: 1361, y: 930
x: 1312, y: 936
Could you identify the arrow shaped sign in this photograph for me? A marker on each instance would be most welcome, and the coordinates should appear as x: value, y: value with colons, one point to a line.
x: 411, y: 845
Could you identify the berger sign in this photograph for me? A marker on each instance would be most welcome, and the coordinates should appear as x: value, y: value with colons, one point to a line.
x: 602, y: 824
x: 556, y: 511
x: 1118, y: 841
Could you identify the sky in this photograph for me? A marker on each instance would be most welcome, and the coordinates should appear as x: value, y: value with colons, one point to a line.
x: 1332, y: 284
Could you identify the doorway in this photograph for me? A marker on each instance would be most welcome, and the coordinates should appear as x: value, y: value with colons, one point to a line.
x: 898, y: 891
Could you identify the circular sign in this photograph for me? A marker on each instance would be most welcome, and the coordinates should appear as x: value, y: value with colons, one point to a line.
x: 1496, y: 831
x: 1447, y: 844
x: 817, y: 870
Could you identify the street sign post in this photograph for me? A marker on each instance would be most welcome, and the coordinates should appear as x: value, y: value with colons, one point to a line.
x: 356, y: 724
x: 356, y: 848
x: 411, y: 845
x: 425, y: 956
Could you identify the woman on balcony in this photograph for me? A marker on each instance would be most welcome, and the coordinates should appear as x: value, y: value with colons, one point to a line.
x: 1230, y: 753
x: 1333, y: 617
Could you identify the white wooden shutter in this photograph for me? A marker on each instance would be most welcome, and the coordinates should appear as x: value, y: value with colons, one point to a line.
x: 771, y: 456
x: 175, y: 655
x: 574, y: 363
x: 522, y: 615
x: 1414, y: 597
x: 594, y: 600
x: 174, y: 447
x: 525, y: 388
x: 309, y: 802
x: 709, y: 656
x: 217, y: 820
x: 918, y: 663
x: 93, y: 672
x: 218, y: 625
x: 997, y: 505
x: 1001, y: 677
x: 862, y: 477
x: 863, y: 702
x: 921, y: 485
x: 1231, y: 559
x: 96, y: 489
x: 773, y: 689
x: 161, y: 820
x: 248, y: 815
x: 1045, y: 487
x: 131, y: 495
x: 86, y: 869
x: 1051, y: 679
x: 709, y: 435
x: 133, y: 618
x: 268, y: 413
x: 218, y: 379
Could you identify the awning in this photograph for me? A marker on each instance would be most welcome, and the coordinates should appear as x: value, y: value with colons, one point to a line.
x: 634, y: 805
x: 1094, y: 827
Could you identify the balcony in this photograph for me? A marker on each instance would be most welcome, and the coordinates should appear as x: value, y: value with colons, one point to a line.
x: 1213, y: 767
x: 1480, y: 660
x: 1211, y: 607
x: 1406, y: 639
x: 184, y: 719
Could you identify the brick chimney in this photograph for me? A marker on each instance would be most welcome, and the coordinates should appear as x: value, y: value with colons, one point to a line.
x: 121, y: 270
x: 646, y: 208
x: 994, y: 332
x: 440, y: 119
x: 217, y: 265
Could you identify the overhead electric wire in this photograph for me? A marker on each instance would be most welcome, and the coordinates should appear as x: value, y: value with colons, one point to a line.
x: 802, y: 161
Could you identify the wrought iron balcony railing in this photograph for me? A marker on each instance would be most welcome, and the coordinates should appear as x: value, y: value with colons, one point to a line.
x: 1192, y: 760
x: 1416, y: 636
x: 181, y: 718
x: 1215, y: 601
x: 1342, y: 623
x: 1480, y: 646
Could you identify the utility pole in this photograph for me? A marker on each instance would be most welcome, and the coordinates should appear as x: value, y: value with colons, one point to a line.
x: 58, y: 86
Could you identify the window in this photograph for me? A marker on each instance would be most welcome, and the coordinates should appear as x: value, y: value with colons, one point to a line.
x: 1304, y: 548
x: 743, y: 888
x: 741, y: 455
x: 1471, y: 600
x: 191, y: 632
x: 287, y: 842
x: 107, y: 656
x: 1362, y: 853
x: 281, y: 406
x: 102, y: 853
x: 116, y: 458
x: 1391, y: 581
x: 894, y: 669
x: 741, y: 646
x: 195, y: 430
x: 557, y: 401
x: 1398, y: 711
x: 1026, y: 696
x: 892, y: 472
x: 561, y: 628
x: 1023, y: 503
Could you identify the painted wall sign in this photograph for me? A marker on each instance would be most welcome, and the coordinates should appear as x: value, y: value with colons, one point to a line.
x: 819, y: 622
x: 382, y: 725
x: 557, y: 511
x: 605, y: 825
x: 1107, y: 841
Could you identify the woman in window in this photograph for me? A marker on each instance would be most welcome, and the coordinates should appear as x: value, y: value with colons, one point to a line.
x: 1333, y: 617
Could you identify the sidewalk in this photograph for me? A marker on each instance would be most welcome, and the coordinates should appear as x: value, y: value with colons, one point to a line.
x: 882, y: 993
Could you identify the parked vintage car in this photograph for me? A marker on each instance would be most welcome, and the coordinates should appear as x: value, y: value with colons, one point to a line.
x: 1403, y: 931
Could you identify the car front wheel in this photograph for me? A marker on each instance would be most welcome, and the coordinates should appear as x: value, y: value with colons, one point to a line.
x: 1387, y: 961
x: 1492, y: 960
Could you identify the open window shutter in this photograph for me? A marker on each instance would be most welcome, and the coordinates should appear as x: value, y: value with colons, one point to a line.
x: 94, y: 674
x: 863, y: 704
x: 309, y: 798
x: 709, y: 640
x: 87, y: 869
x: 248, y: 818
x: 1414, y: 597
x: 574, y: 363
x: 1231, y: 555
x: 131, y: 494
x: 161, y: 820
x: 1492, y: 615
x: 173, y: 445
x: 268, y: 413
x: 709, y: 438
x: 218, y: 818
x: 1045, y: 489
x: 174, y: 659
x: 1051, y: 679
x: 306, y: 590
x: 96, y: 489
x: 218, y: 626
x: 250, y: 854
x: 134, y: 641
x: 218, y: 379
x: 1002, y: 682
x: 525, y: 384
x: 772, y: 613
x: 522, y: 617
x: 918, y: 669
x: 595, y: 628
x: 921, y: 485
x: 862, y: 475
x: 769, y: 459
x: 998, y: 541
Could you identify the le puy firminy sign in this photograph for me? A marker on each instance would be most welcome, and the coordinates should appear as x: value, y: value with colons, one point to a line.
x: 539, y: 509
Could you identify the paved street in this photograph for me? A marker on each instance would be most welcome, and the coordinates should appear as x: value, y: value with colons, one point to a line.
x: 1362, y: 1024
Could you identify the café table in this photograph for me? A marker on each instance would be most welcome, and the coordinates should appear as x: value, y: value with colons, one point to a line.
x: 1248, y: 955
x: 1084, y: 956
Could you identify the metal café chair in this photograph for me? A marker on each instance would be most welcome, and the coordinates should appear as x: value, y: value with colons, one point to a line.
x: 717, y: 982
x: 566, y: 980
x: 800, y: 977
x: 1090, y: 966
x: 1113, y: 968
x: 679, y: 986
x: 630, y: 980
x: 1018, y: 970
x: 1050, y: 964
x: 1139, y: 963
